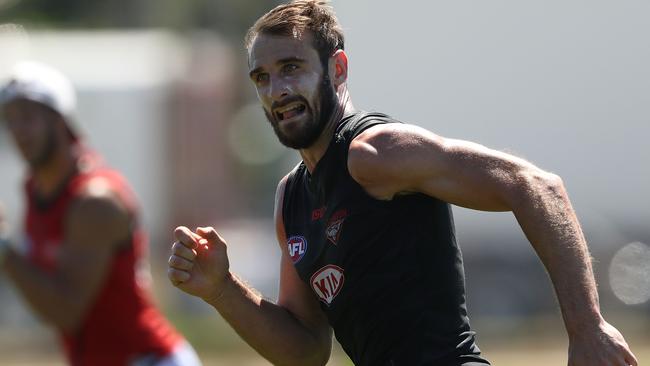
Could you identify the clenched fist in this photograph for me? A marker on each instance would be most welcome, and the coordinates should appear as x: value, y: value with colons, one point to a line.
x: 603, y: 346
x: 199, y: 262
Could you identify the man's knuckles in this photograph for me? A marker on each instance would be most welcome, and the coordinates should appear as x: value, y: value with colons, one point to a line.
x: 208, y: 233
x: 183, y: 250
x: 185, y: 236
x: 177, y: 276
x: 180, y: 263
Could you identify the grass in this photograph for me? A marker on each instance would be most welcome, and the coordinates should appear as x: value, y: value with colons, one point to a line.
x: 545, y: 354
x: 542, y: 343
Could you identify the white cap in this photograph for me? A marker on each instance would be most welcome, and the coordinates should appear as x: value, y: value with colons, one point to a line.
x: 42, y: 84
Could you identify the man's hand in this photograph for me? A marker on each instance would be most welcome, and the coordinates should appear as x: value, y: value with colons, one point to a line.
x: 199, y: 263
x: 603, y: 347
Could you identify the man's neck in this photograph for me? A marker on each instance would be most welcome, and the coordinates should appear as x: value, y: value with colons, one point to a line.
x: 51, y: 175
x: 312, y: 155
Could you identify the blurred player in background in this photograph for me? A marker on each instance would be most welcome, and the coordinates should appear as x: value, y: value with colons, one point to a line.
x: 365, y: 227
x: 82, y: 267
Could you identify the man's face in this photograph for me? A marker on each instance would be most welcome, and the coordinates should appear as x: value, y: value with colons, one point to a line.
x: 32, y: 126
x: 293, y: 87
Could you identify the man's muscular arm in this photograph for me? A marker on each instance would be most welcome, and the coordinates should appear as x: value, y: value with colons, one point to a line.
x: 397, y: 159
x: 292, y: 332
x: 94, y: 225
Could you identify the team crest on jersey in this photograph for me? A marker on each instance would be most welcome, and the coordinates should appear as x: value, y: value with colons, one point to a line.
x: 334, y: 225
x: 297, y: 246
x: 327, y: 282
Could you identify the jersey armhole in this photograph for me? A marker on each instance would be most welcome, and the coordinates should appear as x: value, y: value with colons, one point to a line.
x: 361, y: 123
x: 289, y: 184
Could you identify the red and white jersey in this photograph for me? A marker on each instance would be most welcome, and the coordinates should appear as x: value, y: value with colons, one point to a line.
x: 121, y: 323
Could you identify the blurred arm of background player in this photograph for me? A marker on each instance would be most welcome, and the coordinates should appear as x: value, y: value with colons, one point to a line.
x: 294, y: 331
x: 395, y: 159
x: 95, y: 224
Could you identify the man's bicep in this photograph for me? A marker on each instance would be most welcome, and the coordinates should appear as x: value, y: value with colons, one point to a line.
x: 295, y: 296
x: 95, y: 226
x: 399, y: 159
x: 97, y: 218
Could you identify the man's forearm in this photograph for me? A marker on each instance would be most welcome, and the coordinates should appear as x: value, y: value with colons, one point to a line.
x: 47, y: 297
x: 269, y: 328
x: 549, y: 222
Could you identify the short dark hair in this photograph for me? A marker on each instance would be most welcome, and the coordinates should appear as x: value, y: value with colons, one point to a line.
x: 295, y: 18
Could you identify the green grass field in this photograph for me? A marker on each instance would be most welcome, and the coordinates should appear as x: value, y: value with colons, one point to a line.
x: 540, y: 355
x: 542, y: 343
x: 546, y: 355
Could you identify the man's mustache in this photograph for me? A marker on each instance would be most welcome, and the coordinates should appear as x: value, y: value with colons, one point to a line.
x: 287, y: 101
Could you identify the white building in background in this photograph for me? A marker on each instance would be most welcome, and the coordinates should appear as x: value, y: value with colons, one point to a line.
x: 159, y: 108
x: 123, y: 81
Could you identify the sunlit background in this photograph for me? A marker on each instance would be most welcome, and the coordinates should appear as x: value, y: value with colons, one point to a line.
x: 164, y: 96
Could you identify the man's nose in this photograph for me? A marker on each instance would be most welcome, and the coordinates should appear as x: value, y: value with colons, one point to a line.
x: 279, y: 89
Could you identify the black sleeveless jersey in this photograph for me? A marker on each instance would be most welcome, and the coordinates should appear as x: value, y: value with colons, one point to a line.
x: 389, y: 274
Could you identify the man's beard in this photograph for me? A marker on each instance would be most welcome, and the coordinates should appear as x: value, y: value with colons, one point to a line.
x: 312, y: 127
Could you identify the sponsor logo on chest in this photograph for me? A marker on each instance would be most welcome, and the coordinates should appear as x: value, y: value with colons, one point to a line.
x: 297, y: 246
x: 327, y: 282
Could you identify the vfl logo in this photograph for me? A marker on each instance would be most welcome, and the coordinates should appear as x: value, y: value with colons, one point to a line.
x: 327, y: 282
x: 297, y: 246
x: 333, y: 230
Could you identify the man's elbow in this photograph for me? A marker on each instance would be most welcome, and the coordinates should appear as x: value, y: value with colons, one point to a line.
x: 551, y: 183
x: 323, y: 357
x: 319, y: 359
x: 538, y: 184
x: 316, y: 355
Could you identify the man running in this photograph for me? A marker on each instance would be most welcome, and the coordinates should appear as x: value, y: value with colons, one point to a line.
x: 365, y: 227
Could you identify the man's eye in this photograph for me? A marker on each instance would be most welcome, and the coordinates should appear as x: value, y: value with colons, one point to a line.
x: 261, y: 78
x: 289, y: 68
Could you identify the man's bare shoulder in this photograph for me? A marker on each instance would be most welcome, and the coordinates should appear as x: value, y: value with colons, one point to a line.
x: 379, y: 157
x: 97, y: 212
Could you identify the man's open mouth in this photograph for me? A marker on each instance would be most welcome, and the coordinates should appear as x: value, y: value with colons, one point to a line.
x: 289, y: 111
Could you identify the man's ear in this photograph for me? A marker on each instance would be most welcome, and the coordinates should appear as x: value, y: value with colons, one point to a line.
x: 338, y: 68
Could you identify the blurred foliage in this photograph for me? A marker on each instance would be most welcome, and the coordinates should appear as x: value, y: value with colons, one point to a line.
x: 230, y: 17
